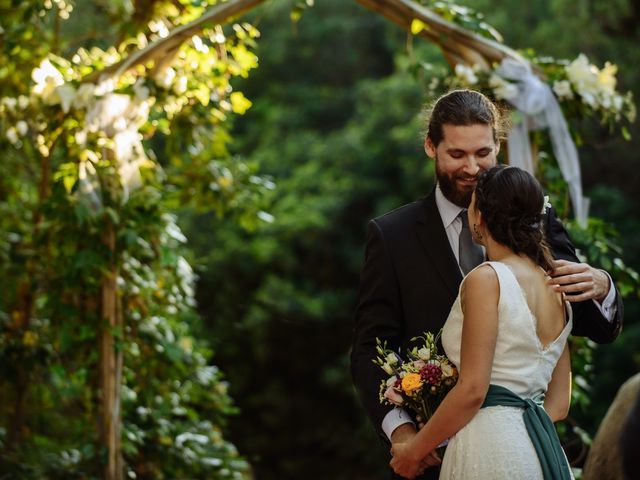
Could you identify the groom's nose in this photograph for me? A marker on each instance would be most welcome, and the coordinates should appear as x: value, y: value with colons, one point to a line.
x: 472, y: 167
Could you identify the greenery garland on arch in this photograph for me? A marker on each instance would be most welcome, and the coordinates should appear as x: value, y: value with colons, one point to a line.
x: 97, y: 319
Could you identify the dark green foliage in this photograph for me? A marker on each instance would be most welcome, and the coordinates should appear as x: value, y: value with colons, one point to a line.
x: 335, y: 124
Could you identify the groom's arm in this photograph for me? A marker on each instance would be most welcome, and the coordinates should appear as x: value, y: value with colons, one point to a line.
x: 599, y: 312
x: 377, y: 316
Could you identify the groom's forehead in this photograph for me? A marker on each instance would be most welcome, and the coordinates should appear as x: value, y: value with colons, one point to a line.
x: 478, y: 134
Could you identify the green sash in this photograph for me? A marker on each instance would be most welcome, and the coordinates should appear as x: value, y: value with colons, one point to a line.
x: 540, y: 428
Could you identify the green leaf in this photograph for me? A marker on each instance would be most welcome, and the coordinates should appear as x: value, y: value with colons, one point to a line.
x: 68, y: 182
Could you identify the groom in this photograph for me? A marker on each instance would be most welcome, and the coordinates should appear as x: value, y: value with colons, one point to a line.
x: 412, y: 269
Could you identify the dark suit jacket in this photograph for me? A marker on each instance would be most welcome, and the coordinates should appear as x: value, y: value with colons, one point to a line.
x: 409, y: 282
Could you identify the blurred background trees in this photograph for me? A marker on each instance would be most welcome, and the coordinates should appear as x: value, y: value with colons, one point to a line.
x: 336, y: 124
x: 274, y: 205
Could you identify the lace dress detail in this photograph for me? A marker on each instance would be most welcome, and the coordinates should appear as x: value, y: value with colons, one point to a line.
x: 495, y: 443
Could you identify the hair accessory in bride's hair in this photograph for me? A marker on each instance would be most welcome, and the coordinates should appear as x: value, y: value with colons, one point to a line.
x: 546, y: 205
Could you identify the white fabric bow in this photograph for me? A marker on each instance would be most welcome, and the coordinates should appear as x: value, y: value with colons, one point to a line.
x: 540, y: 109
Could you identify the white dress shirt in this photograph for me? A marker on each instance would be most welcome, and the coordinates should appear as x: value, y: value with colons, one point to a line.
x: 449, y: 212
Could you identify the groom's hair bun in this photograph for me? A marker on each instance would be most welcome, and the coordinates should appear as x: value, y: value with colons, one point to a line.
x: 511, y: 202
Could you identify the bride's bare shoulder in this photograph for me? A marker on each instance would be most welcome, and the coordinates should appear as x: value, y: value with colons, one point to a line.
x: 482, y: 279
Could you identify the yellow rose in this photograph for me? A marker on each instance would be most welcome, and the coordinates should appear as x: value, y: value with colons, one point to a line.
x: 411, y: 382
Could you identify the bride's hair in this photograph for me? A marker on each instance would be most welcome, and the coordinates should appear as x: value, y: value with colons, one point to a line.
x: 511, y: 202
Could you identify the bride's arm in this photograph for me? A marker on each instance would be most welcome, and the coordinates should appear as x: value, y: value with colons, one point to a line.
x: 479, y: 295
x: 558, y: 397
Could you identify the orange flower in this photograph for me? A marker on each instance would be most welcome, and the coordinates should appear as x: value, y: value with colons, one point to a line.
x: 411, y: 382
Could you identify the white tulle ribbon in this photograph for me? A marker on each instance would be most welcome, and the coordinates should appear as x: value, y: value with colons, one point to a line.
x: 540, y: 109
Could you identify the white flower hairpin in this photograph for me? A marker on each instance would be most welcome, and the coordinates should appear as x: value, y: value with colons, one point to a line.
x: 546, y: 205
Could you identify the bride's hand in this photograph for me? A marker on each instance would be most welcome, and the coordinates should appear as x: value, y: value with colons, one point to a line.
x: 403, y: 461
x: 431, y: 460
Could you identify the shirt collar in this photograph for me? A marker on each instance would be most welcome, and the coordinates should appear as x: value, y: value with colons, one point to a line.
x: 449, y: 211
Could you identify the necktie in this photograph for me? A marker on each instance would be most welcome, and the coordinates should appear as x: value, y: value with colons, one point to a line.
x: 470, y: 254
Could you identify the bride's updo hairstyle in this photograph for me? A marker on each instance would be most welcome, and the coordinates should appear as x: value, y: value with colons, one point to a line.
x: 511, y: 202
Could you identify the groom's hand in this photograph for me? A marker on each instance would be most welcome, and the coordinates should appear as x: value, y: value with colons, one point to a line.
x: 579, y: 281
x: 403, y: 433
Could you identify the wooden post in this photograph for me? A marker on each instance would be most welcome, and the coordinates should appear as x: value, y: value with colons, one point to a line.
x: 111, y: 363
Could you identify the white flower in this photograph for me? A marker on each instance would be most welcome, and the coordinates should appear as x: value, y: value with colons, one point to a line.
x: 81, y: 137
x: 424, y: 353
x: 84, y: 95
x: 66, y: 93
x: 9, y: 102
x: 594, y: 86
x: 392, y: 381
x: 617, y: 102
x: 466, y: 74
x: 447, y: 370
x: 180, y: 86
x: 47, y: 78
x: 546, y: 205
x: 387, y: 368
x: 141, y: 92
x: 12, y: 135
x: 392, y: 359
x: 164, y: 78
x: 506, y: 92
x: 105, y: 87
x: 502, y: 89
x: 23, y: 102
x: 199, y: 45
x: 159, y: 27
x: 580, y: 72
x: 22, y: 128
x: 562, y: 89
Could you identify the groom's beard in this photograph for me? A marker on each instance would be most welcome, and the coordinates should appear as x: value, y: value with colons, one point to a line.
x: 459, y: 195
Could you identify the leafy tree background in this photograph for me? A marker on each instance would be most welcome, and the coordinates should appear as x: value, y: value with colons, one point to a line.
x: 274, y: 206
x: 336, y: 124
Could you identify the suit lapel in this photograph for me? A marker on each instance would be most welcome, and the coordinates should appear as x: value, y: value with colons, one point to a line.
x: 436, y: 244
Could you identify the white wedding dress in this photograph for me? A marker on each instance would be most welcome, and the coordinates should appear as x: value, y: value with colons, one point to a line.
x: 495, y: 443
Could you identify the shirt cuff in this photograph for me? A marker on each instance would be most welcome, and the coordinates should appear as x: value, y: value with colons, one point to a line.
x: 608, y: 307
x: 394, y: 419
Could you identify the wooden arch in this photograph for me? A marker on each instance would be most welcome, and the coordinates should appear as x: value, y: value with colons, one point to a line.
x: 458, y: 45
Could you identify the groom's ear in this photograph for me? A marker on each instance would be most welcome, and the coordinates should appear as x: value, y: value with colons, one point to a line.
x: 429, y: 148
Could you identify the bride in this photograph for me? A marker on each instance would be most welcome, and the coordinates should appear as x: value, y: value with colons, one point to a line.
x: 507, y: 334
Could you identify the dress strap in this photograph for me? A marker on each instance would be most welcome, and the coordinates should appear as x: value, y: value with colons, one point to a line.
x: 540, y: 429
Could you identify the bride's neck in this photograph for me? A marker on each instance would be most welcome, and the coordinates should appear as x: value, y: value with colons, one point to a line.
x: 497, y: 251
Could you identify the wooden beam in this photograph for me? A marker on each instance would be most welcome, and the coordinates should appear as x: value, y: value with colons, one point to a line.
x: 458, y: 44
x: 166, y: 46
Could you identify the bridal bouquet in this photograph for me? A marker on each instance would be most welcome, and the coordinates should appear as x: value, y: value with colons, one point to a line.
x: 419, y: 382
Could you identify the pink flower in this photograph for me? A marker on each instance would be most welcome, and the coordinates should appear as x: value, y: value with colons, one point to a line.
x: 393, y: 396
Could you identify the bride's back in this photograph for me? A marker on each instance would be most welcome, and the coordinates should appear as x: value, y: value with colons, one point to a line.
x: 545, y: 304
